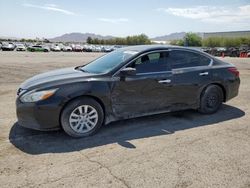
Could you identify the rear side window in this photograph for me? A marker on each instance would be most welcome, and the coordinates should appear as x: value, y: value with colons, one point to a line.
x: 185, y: 59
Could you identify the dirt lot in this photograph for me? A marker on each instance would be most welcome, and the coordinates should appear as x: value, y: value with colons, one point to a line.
x: 169, y: 150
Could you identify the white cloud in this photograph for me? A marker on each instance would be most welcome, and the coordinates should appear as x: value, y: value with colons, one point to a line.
x: 212, y: 13
x: 110, y: 20
x: 50, y: 7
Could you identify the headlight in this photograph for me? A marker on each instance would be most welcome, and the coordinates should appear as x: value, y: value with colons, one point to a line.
x: 34, y: 96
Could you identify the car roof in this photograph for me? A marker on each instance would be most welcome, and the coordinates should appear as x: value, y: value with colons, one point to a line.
x: 146, y: 48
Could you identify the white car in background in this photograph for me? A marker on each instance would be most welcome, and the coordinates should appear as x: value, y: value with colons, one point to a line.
x: 55, y: 48
x: 20, y: 47
x: 107, y: 49
x: 67, y: 49
x: 97, y: 49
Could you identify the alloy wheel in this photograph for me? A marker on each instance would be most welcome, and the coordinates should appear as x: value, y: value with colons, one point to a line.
x: 83, y: 118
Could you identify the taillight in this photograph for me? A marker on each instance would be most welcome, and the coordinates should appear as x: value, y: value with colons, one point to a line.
x: 234, y: 71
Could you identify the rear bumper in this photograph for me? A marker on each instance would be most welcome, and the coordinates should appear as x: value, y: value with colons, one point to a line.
x: 232, y: 89
x: 43, y: 117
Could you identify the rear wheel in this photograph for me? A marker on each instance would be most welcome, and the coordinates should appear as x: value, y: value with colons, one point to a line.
x: 82, y: 117
x: 211, y: 99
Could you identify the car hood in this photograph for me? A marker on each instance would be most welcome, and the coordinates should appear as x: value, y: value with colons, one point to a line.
x: 56, y: 76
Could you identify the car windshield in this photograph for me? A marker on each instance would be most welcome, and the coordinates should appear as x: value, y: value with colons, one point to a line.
x: 108, y: 62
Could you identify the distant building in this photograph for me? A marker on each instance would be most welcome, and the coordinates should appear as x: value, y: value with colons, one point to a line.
x: 230, y: 34
x: 160, y: 42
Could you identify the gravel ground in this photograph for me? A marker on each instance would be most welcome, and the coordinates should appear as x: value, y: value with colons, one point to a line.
x: 183, y: 149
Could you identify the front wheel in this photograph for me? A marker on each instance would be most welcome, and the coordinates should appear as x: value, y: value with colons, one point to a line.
x: 82, y: 117
x: 211, y: 99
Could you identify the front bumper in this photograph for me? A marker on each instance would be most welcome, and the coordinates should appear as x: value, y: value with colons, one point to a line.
x: 7, y: 49
x: 20, y: 49
x: 44, y: 116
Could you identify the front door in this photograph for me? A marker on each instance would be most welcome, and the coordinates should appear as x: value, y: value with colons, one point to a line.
x: 147, y: 92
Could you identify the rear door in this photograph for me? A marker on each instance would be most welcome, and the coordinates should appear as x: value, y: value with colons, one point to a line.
x: 191, y: 71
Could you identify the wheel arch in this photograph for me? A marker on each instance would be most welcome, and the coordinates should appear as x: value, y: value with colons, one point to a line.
x: 83, y: 96
x: 219, y: 85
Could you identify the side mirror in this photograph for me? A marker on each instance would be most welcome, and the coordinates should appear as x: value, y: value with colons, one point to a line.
x: 128, y: 71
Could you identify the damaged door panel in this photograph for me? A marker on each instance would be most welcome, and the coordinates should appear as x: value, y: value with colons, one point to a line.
x: 141, y: 94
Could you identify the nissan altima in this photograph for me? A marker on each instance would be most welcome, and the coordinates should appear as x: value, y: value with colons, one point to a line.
x: 126, y: 83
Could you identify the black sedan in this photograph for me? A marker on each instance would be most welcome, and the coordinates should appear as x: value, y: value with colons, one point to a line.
x: 126, y: 83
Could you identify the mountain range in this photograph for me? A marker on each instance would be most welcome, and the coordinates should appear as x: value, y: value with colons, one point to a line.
x: 78, y: 37
x: 172, y: 36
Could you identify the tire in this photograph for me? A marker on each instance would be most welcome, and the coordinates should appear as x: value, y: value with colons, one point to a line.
x: 83, y: 125
x: 211, y: 99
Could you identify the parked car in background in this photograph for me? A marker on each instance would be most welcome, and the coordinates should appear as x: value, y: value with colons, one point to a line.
x: 8, y: 46
x: 248, y: 54
x: 233, y: 52
x: 38, y: 48
x: 87, y: 48
x: 55, y: 48
x: 244, y: 48
x: 77, y: 48
x: 129, y: 82
x: 107, y: 49
x: 67, y: 49
x: 230, y: 51
x: 97, y: 49
x: 20, y: 47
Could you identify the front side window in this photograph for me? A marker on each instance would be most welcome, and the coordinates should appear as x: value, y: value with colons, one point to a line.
x: 185, y: 59
x: 153, y: 62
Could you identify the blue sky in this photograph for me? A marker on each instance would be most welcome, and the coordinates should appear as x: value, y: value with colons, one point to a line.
x: 50, y: 18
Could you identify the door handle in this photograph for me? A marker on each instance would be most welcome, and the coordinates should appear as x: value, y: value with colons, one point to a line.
x: 164, y: 81
x: 203, y: 73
